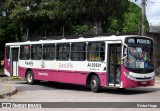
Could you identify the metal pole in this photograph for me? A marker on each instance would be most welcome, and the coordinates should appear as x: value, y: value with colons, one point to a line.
x: 96, y: 29
x: 143, y: 28
x: 27, y: 33
x: 63, y: 31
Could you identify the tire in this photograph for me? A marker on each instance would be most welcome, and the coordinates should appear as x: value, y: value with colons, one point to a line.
x: 95, y: 84
x: 121, y: 89
x: 30, y: 78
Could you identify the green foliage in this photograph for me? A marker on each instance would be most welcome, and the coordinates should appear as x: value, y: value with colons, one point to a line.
x: 115, y: 20
x: 80, y: 29
x: 90, y: 12
x: 8, y: 30
x: 132, y: 19
x: 41, y: 16
x: 50, y: 17
x: 8, y: 33
x: 113, y: 25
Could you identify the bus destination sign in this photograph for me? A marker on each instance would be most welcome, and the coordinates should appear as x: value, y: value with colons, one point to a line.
x: 138, y: 41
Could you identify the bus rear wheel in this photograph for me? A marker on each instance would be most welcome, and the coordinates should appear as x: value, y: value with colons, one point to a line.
x: 95, y: 84
x: 30, y: 78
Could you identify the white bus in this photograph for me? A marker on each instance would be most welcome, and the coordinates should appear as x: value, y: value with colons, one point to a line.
x: 105, y: 61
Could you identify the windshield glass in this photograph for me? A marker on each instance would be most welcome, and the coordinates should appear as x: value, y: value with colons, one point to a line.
x: 138, y: 57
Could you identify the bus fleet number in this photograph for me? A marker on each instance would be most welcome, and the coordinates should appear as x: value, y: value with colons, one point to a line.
x: 29, y: 63
x: 94, y: 65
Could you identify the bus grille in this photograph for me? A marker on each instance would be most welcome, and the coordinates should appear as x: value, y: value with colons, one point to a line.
x: 143, y: 78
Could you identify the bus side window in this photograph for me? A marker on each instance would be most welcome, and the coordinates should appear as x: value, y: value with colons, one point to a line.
x: 7, y: 51
x: 48, y: 51
x: 36, y: 52
x: 62, y: 51
x: 102, y: 52
x: 78, y: 51
x: 96, y: 51
x: 25, y: 52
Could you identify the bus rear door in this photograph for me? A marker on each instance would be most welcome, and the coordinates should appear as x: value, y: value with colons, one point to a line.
x: 14, y: 61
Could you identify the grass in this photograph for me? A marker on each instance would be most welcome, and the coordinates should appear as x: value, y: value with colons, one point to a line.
x: 16, y: 79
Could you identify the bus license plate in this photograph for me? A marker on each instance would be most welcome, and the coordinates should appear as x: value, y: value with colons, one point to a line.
x: 144, y: 82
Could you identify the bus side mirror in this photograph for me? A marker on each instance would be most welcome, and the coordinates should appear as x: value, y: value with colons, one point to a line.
x: 124, y: 57
x: 125, y: 52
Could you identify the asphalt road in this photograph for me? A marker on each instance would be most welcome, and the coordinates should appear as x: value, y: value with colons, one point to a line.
x: 55, y: 92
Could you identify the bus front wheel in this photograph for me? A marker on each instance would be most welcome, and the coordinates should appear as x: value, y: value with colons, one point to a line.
x: 30, y: 78
x: 95, y: 84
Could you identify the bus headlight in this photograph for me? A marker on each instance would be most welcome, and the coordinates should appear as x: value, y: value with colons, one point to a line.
x: 129, y: 76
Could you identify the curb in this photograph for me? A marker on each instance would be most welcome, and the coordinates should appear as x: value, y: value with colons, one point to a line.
x: 7, y: 90
x: 3, y: 79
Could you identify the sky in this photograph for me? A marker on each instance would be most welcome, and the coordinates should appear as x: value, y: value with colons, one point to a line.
x: 152, y: 11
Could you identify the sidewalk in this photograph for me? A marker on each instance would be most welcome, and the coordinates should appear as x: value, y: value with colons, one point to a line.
x: 6, y: 89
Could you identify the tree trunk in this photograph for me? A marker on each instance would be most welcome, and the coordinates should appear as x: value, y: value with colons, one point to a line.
x: 95, y: 27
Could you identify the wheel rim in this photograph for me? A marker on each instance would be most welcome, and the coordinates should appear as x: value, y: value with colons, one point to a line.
x: 29, y: 77
x: 93, y: 84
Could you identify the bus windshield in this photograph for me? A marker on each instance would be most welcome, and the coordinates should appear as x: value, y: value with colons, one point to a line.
x: 139, y: 57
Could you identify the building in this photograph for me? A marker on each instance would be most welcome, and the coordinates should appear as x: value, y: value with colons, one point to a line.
x: 154, y: 33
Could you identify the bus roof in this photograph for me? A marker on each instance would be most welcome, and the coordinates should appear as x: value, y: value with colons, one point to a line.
x: 81, y: 39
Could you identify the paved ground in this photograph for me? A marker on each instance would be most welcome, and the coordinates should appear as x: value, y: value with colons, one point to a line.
x: 46, y: 92
x: 1, y: 87
x: 4, y: 83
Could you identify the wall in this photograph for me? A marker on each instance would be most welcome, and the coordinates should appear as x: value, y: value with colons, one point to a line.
x: 156, y: 51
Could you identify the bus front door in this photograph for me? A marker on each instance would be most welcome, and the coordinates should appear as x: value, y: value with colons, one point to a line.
x: 114, y: 61
x: 14, y: 61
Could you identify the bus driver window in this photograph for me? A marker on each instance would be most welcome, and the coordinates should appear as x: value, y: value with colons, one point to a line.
x: 132, y: 57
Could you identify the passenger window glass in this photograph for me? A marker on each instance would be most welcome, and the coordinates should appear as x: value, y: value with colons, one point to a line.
x: 63, y: 51
x: 36, y: 52
x: 25, y: 52
x: 7, y: 51
x: 78, y: 51
x: 48, y: 51
x: 96, y: 51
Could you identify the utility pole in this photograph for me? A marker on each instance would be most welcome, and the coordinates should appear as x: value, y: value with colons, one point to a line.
x: 143, y: 26
x: 63, y: 32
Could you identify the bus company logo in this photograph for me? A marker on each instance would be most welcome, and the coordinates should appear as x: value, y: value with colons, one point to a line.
x: 42, y: 64
x: 65, y: 65
x: 6, y: 105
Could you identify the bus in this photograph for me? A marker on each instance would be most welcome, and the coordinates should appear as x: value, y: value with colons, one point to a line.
x: 102, y: 61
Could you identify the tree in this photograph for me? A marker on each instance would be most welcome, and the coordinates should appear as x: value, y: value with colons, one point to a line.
x: 132, y: 19
x: 21, y: 12
x: 32, y: 15
x: 100, y: 16
x: 9, y: 30
x: 93, y: 13
x: 86, y: 12
x: 8, y: 33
